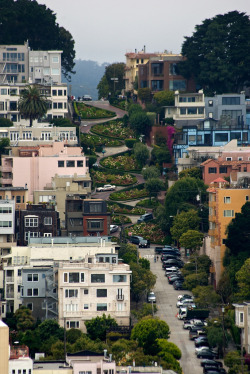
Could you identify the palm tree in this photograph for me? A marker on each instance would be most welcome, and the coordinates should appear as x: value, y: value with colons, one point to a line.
x: 32, y: 104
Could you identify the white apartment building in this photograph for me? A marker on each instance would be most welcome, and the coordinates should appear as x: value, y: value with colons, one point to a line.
x: 95, y: 286
x: 44, y: 252
x: 10, y: 95
x: 242, y: 320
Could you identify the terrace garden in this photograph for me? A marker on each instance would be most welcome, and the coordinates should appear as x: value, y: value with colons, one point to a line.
x: 113, y: 129
x: 132, y: 193
x: 93, y: 141
x: 148, y: 231
x: 90, y: 112
x: 103, y: 177
x: 123, y: 162
x: 125, y: 209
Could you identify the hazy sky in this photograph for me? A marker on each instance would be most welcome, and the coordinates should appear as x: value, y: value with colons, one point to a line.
x: 104, y: 30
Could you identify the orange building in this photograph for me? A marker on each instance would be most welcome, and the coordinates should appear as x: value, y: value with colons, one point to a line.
x: 224, y: 203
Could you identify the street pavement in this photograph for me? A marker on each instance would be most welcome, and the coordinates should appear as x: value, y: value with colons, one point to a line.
x: 166, y: 297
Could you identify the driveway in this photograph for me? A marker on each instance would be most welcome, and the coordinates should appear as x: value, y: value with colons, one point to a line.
x: 166, y: 297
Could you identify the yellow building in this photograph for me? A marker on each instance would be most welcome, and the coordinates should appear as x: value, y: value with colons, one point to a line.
x: 224, y: 203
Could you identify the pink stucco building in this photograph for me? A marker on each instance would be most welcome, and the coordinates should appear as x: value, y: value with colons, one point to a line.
x: 33, y: 167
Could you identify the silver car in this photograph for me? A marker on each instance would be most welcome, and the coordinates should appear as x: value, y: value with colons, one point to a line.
x: 151, y: 297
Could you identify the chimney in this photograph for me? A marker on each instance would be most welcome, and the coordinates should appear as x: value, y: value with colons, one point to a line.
x: 110, y: 357
x: 144, y: 49
x: 105, y: 353
x: 135, y: 50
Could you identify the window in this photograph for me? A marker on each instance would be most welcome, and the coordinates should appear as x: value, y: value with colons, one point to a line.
x: 120, y: 278
x: 240, y: 158
x: 61, y: 164
x: 97, y: 278
x: 241, y: 315
x: 54, y: 92
x: 172, y: 69
x: 31, y: 222
x: 183, y: 111
x: 60, y: 92
x: 6, y: 210
x: 86, y: 291
x: 30, y: 306
x: 235, y: 135
x: 231, y: 101
x: 95, y: 207
x: 247, y: 198
x: 101, y: 293
x: 73, y: 277
x: 228, y: 213
x: 177, y: 85
x: 5, y: 224
x: 101, y: 307
x: 19, y: 272
x: 234, y: 114
x: 55, y: 59
x: 80, y: 164
x: 32, y: 277
x: 34, y: 234
x: 227, y: 200
x: 221, y: 137
x: 32, y: 292
x: 55, y: 72
x: 95, y: 225
x: 228, y: 158
x: 212, y: 170
x: 48, y: 220
x: 191, y: 138
x: 71, y: 293
x: 72, y: 324
x: 210, y: 103
x: 70, y: 164
x: 223, y: 169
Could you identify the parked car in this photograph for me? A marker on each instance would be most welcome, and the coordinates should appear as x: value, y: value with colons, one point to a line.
x: 113, y: 228
x: 145, y: 218
x: 212, y: 362
x: 106, y: 187
x: 185, y: 302
x: 174, y: 262
x: 193, y: 322
x: 175, y: 278
x: 211, y: 369
x: 203, y: 346
x: 144, y: 243
x: 87, y: 98
x: 184, y: 296
x: 206, y: 354
x: 178, y: 285
x: 151, y: 297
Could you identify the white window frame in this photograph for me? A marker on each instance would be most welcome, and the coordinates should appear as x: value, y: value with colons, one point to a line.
x: 48, y: 221
x: 31, y: 221
x: 228, y: 213
x: 227, y: 200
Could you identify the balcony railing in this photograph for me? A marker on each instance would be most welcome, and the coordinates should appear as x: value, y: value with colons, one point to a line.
x: 6, y: 180
x: 119, y: 297
x: 10, y: 295
x: 9, y: 279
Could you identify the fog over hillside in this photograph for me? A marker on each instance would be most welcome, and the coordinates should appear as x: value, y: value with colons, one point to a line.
x: 85, y: 80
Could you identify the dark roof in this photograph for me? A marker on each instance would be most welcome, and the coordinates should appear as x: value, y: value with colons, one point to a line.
x: 84, y: 353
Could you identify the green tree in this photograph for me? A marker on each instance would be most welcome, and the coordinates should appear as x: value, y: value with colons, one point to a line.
x: 164, y: 98
x: 147, y: 331
x: 144, y: 94
x: 183, y: 222
x: 140, y: 122
x: 5, y: 122
x: 160, y: 155
x: 24, y: 318
x: 192, y: 240
x: 143, y: 280
x: 205, y: 296
x: 4, y: 143
x: 238, y: 232
x: 141, y: 153
x: 50, y: 328
x: 32, y: 104
x: 224, y: 288
x: 153, y: 186
x: 193, y: 173
x: 184, y: 192
x: 103, y: 87
x: 194, y: 280
x: 218, y: 53
x: 115, y: 70
x: 166, y: 346
x: 145, y: 310
x: 98, y: 326
x: 216, y: 337
x: 27, y: 20
x: 233, y: 361
x: 128, y: 252
x: 150, y: 172
x: 243, y: 279
x: 134, y: 108
x: 72, y: 335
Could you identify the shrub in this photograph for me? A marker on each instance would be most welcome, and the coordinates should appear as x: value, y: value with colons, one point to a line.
x: 152, y: 117
x: 5, y: 122
x: 130, y: 142
x: 92, y: 160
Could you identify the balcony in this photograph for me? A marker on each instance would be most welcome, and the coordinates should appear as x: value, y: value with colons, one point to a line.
x: 6, y: 168
x: 5, y: 181
x: 9, y: 279
x: 10, y: 295
x: 120, y: 297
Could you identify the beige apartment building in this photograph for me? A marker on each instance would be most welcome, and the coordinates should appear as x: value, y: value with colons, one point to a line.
x: 97, y: 285
x: 4, y: 348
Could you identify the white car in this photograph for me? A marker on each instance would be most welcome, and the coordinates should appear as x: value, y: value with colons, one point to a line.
x: 185, y: 296
x: 113, y: 228
x: 202, y: 349
x: 106, y: 187
x: 183, y: 303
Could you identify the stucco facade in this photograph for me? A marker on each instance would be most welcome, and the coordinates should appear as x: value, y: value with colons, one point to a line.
x: 34, y: 167
x: 224, y: 203
x: 4, y: 348
x: 96, y: 285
